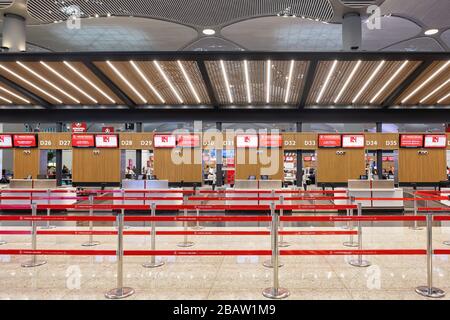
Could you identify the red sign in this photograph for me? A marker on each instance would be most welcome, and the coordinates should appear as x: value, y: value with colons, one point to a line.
x: 269, y: 140
x: 411, y: 141
x: 329, y: 140
x: 25, y: 141
x: 106, y: 141
x: 435, y: 141
x: 188, y: 140
x: 307, y: 158
x: 353, y: 141
x: 6, y: 141
x: 83, y: 141
x: 108, y: 129
x: 79, y: 127
x: 388, y: 158
x: 165, y: 141
x: 247, y: 141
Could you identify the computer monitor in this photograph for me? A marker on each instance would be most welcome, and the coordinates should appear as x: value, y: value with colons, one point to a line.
x: 251, y: 177
x: 391, y: 176
x: 363, y: 177
x: 265, y: 177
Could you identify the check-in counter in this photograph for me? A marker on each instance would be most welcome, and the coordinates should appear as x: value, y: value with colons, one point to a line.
x: 253, y: 185
x: 46, y: 188
x: 133, y: 187
x: 373, y: 189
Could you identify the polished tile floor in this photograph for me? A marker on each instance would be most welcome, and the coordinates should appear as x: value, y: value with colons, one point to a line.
x: 226, y: 277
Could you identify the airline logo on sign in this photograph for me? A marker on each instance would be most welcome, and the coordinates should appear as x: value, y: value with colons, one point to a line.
x: 24, y: 141
x: 108, y: 129
x: 5, y: 141
x: 247, y: 141
x: 83, y: 140
x: 329, y: 140
x: 79, y: 127
x: 436, y: 141
x: 353, y: 141
x: 411, y: 140
x: 266, y: 140
x: 104, y: 141
x: 188, y: 140
x: 165, y: 141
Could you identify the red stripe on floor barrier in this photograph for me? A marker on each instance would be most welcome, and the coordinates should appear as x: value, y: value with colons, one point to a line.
x: 352, y: 218
x: 434, y: 209
x: 269, y: 191
x: 441, y: 218
x: 441, y: 251
x: 315, y: 207
x: 138, y: 198
x: 200, y: 218
x: 57, y: 218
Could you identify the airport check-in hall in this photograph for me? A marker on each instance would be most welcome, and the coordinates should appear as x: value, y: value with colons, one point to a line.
x: 225, y: 150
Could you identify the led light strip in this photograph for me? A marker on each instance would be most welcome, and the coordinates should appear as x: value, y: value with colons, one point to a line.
x: 186, y: 76
x: 121, y: 76
x: 89, y: 82
x: 269, y: 67
x: 389, y: 81
x: 247, y: 82
x: 14, y: 95
x: 352, y: 74
x: 142, y: 75
x: 444, y: 98
x: 434, y: 91
x: 426, y: 81
x: 161, y: 71
x: 288, y: 88
x: 7, y: 100
x: 225, y: 78
x: 69, y: 82
x: 327, y: 80
x: 48, y: 82
x: 30, y: 84
x: 372, y: 76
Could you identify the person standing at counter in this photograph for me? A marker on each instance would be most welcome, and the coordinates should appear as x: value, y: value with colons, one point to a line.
x: 129, y: 173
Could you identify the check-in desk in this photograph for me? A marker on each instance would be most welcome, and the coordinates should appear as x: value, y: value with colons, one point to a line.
x: 254, y: 185
x: 37, y: 188
x: 133, y: 187
x: 445, y: 192
x: 373, y: 189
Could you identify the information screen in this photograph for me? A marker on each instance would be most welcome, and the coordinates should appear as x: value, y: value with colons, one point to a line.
x: 353, y: 141
x: 106, y: 141
x: 411, y: 141
x: 247, y: 141
x: 329, y: 140
x: 83, y: 141
x: 435, y: 141
x: 188, y: 140
x: 270, y: 140
x: 25, y: 141
x: 6, y: 141
x: 165, y: 141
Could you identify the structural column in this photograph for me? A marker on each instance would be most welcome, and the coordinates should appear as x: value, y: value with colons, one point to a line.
x: 14, y: 33
x: 138, y: 152
x: 59, y: 128
x: 299, y: 174
x: 351, y: 31
x: 219, y: 159
x: 380, y: 153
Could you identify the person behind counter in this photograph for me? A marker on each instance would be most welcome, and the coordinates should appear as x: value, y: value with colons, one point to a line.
x: 129, y: 173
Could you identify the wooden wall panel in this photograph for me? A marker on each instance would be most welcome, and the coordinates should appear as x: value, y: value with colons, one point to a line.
x: 136, y: 141
x: 413, y: 167
x: 166, y: 169
x: 290, y: 141
x: 382, y: 141
x: 264, y: 162
x: 96, y: 165
x: 55, y: 141
x: 25, y: 163
x: 335, y: 168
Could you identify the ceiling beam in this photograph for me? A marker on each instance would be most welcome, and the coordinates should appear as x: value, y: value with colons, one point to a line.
x: 309, y: 79
x: 110, y: 84
x: 208, y: 84
x: 28, y: 94
x: 390, y: 100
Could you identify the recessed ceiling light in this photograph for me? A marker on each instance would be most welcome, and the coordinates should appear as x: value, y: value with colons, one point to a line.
x: 125, y: 80
x: 209, y: 32
x: 347, y: 82
x: 372, y: 76
x: 225, y: 78
x: 149, y: 84
x: 161, y: 71
x: 327, y: 80
x: 430, y: 32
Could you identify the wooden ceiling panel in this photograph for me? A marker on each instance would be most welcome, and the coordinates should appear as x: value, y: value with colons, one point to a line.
x: 9, y: 96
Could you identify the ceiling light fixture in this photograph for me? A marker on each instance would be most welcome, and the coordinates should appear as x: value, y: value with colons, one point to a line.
x: 186, y: 76
x: 89, y: 82
x: 161, y: 71
x: 347, y: 82
x: 142, y: 75
x: 430, y: 32
x: 225, y: 78
x: 269, y: 69
x: 6, y: 100
x: 117, y: 72
x: 30, y: 84
x: 209, y: 32
x: 372, y: 76
x: 48, y: 82
x: 288, y: 88
x: 327, y: 80
x: 68, y: 82
x: 444, y: 98
x: 434, y: 91
x: 14, y: 95
x: 247, y: 82
x: 426, y: 81
x: 390, y: 80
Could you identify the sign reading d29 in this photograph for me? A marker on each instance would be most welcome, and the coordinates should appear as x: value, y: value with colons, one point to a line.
x: 136, y: 141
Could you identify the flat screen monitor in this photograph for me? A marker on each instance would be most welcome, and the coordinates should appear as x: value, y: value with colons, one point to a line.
x: 363, y: 177
x: 435, y: 141
x: 270, y: 140
x: 391, y: 177
x: 247, y: 141
x: 106, y: 141
x: 251, y: 177
x: 165, y: 141
x: 6, y: 141
x: 188, y: 141
x: 265, y: 177
x: 353, y: 141
x: 25, y: 141
x: 411, y: 140
x: 329, y: 141
x: 83, y: 141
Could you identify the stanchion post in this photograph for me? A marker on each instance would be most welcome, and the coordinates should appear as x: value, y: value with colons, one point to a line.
x: 447, y: 243
x: 360, y: 262
x: 120, y: 291
x: 34, y: 262
x: 48, y: 226
x: 351, y: 242
x: 91, y: 242
x: 428, y: 290
x: 153, y: 263
x: 185, y: 242
x: 197, y: 223
x: 282, y: 243
x: 270, y: 263
x: 415, y: 226
x: 275, y: 292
